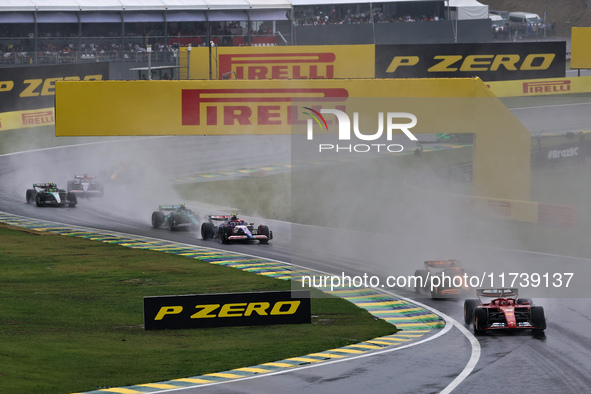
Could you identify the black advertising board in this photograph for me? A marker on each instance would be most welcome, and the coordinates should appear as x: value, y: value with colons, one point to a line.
x: 33, y: 87
x: 230, y: 309
x: 489, y: 61
x: 574, y: 151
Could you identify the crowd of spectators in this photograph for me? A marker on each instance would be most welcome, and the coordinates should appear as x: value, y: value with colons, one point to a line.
x: 354, y: 19
x: 68, y: 51
x: 97, y: 41
x: 104, y: 41
x: 321, y: 15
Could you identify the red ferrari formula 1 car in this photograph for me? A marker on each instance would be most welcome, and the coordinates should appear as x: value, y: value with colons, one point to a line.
x: 501, y: 309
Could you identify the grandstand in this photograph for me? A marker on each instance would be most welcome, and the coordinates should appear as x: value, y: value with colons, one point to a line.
x: 73, y: 31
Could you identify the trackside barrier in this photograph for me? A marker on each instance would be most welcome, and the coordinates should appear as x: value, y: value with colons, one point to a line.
x: 27, y: 118
x: 557, y: 215
x: 540, y: 87
x: 516, y: 210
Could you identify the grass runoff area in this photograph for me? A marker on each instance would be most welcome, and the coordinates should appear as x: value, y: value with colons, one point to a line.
x: 72, y: 317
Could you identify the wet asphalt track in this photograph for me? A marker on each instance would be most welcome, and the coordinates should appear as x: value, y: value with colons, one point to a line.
x: 558, y: 362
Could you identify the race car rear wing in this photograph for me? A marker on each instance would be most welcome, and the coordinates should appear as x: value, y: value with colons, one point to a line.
x: 442, y: 264
x: 498, y: 293
x: 168, y: 207
x: 41, y: 185
x: 84, y: 177
x: 219, y: 217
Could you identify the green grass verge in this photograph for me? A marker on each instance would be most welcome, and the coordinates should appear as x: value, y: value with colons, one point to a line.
x: 72, y: 315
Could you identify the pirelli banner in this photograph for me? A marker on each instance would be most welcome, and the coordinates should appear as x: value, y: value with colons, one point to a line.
x: 222, y: 107
x: 295, y: 62
x: 540, y: 87
x: 278, y: 106
x: 488, y: 61
x: 27, y: 93
x: 224, y: 310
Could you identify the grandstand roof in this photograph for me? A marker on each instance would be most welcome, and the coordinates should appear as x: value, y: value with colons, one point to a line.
x: 161, y: 5
x: 137, y: 5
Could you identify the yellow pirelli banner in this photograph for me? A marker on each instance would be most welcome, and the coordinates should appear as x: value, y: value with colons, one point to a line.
x: 223, y: 107
x: 540, y: 87
x: 521, y: 211
x: 297, y: 62
x: 580, y: 53
x: 27, y: 118
x: 462, y: 105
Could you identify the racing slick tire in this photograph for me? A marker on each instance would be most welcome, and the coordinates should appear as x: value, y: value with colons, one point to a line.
x: 38, y: 200
x: 469, y: 307
x: 480, y: 320
x: 157, y: 219
x: 523, y: 301
x: 71, y: 200
x: 207, y: 231
x: 538, y: 319
x: 174, y: 220
x: 225, y: 233
x: 264, y: 230
x: 31, y: 195
x: 435, y: 293
x: 422, y: 274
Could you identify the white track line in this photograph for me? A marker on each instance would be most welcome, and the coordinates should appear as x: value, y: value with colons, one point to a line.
x: 84, y: 144
x: 548, y: 106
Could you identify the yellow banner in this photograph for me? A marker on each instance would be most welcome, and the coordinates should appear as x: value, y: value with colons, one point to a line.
x: 540, y: 87
x: 521, y: 211
x: 296, y: 62
x: 275, y: 106
x: 580, y: 53
x: 221, y: 107
x: 27, y: 118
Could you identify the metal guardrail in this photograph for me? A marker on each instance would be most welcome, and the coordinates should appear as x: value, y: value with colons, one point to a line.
x: 60, y: 57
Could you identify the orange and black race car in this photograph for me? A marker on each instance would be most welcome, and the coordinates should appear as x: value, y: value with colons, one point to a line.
x: 442, y: 279
x: 501, y: 309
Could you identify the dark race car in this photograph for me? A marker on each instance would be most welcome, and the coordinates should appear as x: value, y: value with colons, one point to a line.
x: 175, y: 217
x: 48, y: 194
x: 85, y: 186
x: 442, y: 279
x: 501, y: 309
x: 228, y: 228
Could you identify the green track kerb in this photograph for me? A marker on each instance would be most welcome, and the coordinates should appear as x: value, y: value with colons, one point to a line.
x: 412, y: 320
